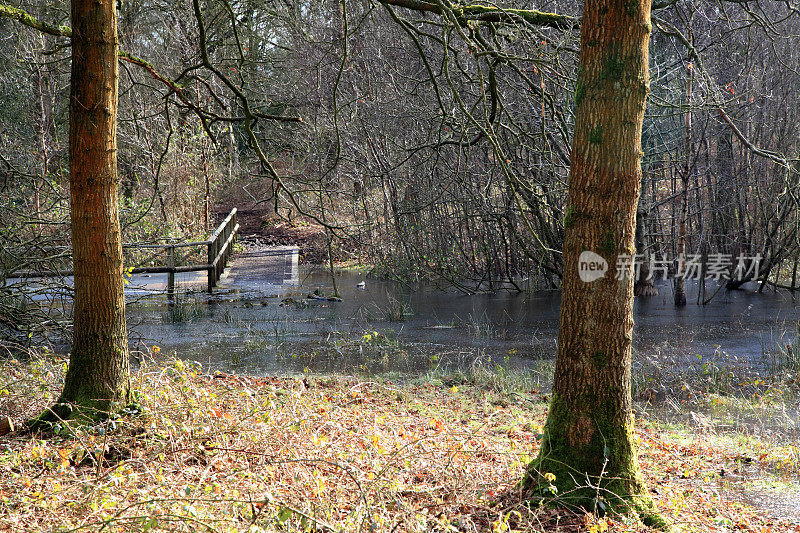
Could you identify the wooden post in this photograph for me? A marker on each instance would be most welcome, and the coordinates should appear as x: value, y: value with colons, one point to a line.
x: 220, y: 253
x: 212, y: 253
x: 223, y: 237
x: 233, y: 227
x: 171, y: 275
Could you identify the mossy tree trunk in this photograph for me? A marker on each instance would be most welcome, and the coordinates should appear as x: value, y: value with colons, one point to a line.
x: 97, y: 379
x: 588, y: 442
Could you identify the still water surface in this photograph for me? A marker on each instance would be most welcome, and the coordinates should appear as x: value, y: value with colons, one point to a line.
x: 248, y: 326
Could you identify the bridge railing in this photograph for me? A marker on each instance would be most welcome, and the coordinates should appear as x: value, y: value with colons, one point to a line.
x: 219, y: 245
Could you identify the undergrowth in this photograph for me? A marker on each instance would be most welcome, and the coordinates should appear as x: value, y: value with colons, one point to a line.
x: 226, y: 452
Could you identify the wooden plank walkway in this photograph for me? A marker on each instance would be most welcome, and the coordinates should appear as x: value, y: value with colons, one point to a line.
x: 263, y: 269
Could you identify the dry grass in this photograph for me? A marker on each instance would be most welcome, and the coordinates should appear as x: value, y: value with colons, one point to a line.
x: 238, y: 453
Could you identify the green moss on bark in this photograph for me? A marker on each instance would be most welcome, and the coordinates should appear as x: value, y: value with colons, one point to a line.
x: 608, y: 244
x: 613, y: 68
x: 569, y: 216
x: 600, y: 474
x: 596, y: 134
x: 580, y: 93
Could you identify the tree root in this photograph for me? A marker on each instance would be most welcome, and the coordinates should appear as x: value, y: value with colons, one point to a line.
x: 615, y: 497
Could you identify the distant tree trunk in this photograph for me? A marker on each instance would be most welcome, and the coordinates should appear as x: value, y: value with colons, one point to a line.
x: 589, y: 438
x: 643, y: 285
x: 97, y: 379
x: 233, y: 152
x: 207, y: 195
x: 43, y: 145
x: 680, y: 279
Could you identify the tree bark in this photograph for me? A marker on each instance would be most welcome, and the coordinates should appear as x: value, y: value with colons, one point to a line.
x: 680, y: 279
x: 643, y: 285
x: 588, y: 442
x: 97, y: 378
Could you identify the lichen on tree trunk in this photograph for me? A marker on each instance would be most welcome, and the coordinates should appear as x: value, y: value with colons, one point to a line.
x: 588, y: 442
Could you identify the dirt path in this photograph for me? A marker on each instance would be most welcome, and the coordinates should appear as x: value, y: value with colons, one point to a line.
x: 259, y: 227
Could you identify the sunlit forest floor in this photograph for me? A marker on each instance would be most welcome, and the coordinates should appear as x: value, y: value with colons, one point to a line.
x: 225, y: 452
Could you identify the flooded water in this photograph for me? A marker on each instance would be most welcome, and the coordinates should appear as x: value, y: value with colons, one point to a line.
x: 261, y: 320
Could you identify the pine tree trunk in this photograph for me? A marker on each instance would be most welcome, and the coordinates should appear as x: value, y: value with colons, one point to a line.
x: 98, y: 374
x: 589, y: 437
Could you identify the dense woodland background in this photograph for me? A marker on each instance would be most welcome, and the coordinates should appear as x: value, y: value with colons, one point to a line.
x: 435, y: 151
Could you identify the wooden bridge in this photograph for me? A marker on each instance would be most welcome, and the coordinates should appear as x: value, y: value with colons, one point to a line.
x: 259, y: 269
x: 219, y: 246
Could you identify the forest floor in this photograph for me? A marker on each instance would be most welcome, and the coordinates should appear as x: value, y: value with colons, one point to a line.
x: 227, y: 452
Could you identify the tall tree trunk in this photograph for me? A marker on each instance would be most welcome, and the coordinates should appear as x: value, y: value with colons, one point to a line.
x: 589, y: 436
x: 644, y: 285
x: 43, y: 145
x: 680, y: 278
x: 207, y: 195
x: 97, y: 379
